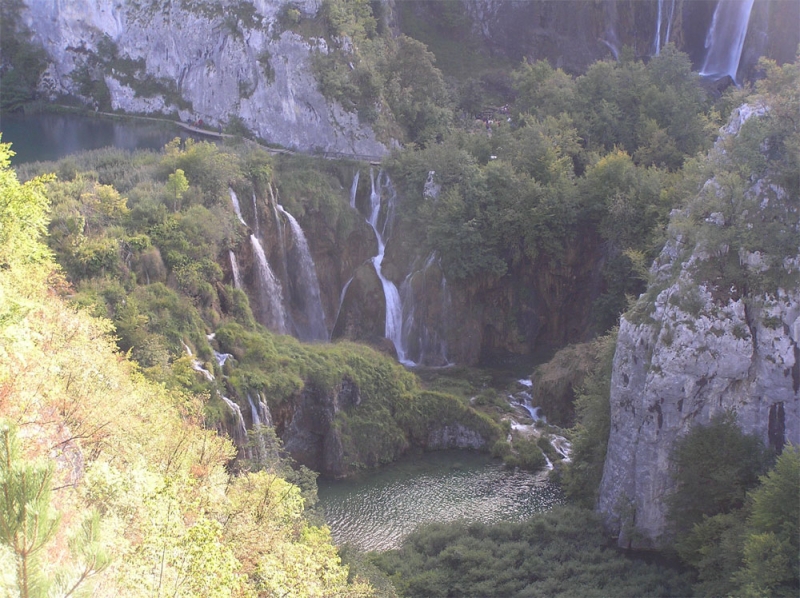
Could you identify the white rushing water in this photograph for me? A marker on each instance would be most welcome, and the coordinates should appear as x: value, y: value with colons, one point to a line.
x: 236, y: 207
x: 341, y: 301
x: 270, y: 293
x: 255, y: 213
x: 240, y: 430
x: 394, y: 310
x: 725, y: 38
x: 306, y: 284
x: 425, y: 338
x: 664, y: 17
x: 354, y: 189
x: 237, y: 277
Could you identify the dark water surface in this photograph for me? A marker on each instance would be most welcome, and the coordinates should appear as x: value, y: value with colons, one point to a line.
x: 376, y: 511
x: 40, y: 137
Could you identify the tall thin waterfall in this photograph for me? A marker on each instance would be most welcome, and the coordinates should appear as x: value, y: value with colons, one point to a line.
x: 670, y: 20
x: 255, y: 416
x: 725, y: 38
x: 255, y: 213
x: 237, y: 277
x: 240, y: 431
x: 394, y: 308
x: 353, y: 189
x: 270, y: 293
x: 341, y: 301
x: 306, y: 286
x: 425, y: 340
x: 236, y: 207
x: 665, y: 15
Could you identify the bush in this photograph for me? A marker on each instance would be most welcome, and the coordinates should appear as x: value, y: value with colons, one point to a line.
x: 714, y: 467
x: 560, y: 553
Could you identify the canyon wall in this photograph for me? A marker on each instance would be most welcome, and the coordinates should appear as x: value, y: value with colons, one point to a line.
x: 693, y: 349
x: 204, y: 61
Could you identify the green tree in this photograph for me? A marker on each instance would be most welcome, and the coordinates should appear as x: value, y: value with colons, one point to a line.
x: 177, y: 185
x: 714, y: 467
x: 27, y: 522
x: 582, y: 477
x: 772, y: 549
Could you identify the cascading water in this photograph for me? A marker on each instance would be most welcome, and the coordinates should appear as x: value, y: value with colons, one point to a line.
x: 240, y: 431
x: 237, y: 277
x: 341, y: 301
x: 725, y: 38
x: 305, y: 290
x: 255, y: 213
x: 670, y: 19
x: 236, y: 207
x: 270, y: 293
x: 425, y: 343
x: 394, y: 308
x: 353, y: 189
x: 666, y: 12
x: 255, y: 416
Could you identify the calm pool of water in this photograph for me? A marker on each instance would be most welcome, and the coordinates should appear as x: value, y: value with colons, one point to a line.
x: 376, y: 511
x: 40, y: 137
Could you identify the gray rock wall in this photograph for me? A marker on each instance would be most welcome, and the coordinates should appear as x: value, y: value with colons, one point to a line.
x: 690, y: 356
x: 223, y: 63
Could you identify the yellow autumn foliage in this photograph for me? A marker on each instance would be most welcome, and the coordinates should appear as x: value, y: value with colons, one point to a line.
x: 132, y: 455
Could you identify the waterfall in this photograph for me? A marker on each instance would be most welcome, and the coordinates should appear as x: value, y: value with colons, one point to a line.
x: 611, y: 41
x: 306, y: 284
x: 221, y: 358
x: 394, y: 310
x: 663, y: 18
x: 255, y: 213
x: 236, y: 207
x: 725, y: 38
x: 237, y: 277
x: 197, y: 365
x: 423, y: 343
x: 270, y: 294
x: 240, y: 431
x: 670, y: 19
x: 353, y: 189
x: 341, y: 301
x: 658, y: 27
x: 260, y: 444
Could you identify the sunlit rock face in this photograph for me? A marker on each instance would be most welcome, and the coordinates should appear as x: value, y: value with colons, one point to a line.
x: 697, y: 352
x: 204, y: 60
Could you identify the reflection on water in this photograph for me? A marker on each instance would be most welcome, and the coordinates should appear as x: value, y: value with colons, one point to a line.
x: 376, y: 511
x: 40, y: 137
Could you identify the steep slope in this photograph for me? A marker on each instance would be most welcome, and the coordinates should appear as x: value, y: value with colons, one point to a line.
x: 142, y: 501
x: 719, y: 328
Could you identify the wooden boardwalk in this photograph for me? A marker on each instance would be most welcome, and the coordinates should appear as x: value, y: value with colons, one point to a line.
x: 372, y: 159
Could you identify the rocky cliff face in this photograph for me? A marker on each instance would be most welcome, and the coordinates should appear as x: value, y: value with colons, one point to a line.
x: 694, y: 352
x: 204, y: 60
x: 572, y: 35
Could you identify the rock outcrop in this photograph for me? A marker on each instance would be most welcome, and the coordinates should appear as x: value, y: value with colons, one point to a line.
x: 691, y: 350
x: 210, y: 61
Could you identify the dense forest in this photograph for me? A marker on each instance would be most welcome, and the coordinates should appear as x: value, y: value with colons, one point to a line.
x: 129, y: 351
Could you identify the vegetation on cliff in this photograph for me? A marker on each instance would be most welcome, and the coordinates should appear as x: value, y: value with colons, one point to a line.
x: 111, y: 482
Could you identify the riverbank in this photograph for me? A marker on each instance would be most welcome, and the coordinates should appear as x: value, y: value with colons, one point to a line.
x: 39, y: 108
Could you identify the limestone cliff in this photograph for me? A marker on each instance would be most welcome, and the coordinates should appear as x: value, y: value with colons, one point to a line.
x: 204, y: 60
x: 695, y: 347
x: 572, y: 35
